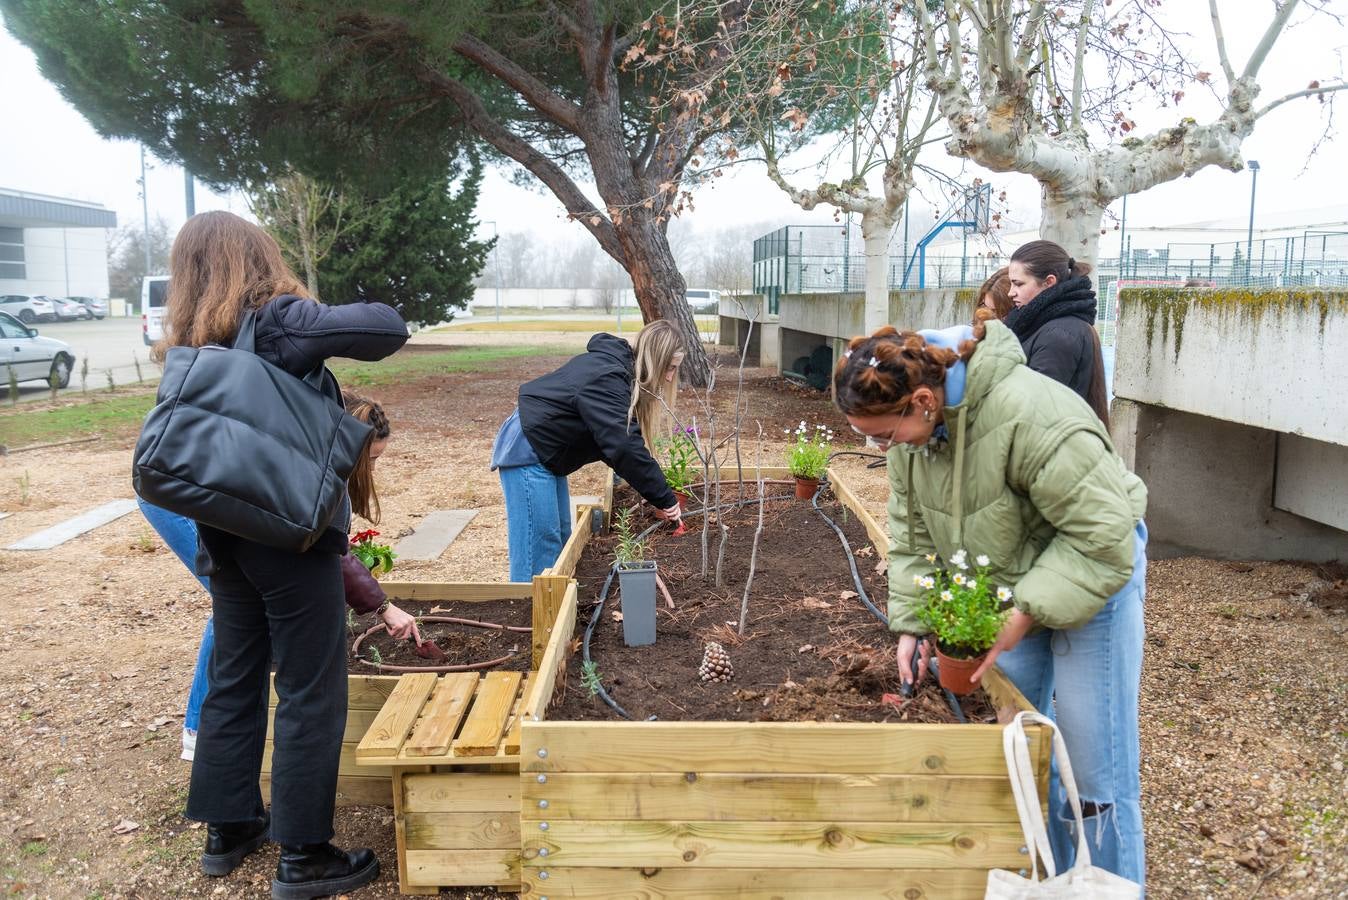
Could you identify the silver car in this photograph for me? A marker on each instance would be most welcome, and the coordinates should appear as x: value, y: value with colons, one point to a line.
x: 28, y: 309
x: 93, y: 307
x: 67, y: 310
x: 33, y: 358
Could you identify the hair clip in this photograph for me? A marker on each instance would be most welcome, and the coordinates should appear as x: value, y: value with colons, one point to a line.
x: 847, y: 354
x: 874, y: 362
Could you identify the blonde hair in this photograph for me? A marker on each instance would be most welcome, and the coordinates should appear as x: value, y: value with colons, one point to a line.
x: 360, y: 484
x: 652, y: 396
x: 221, y: 265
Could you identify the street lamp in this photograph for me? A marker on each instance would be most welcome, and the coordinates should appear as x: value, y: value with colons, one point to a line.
x: 1249, y: 235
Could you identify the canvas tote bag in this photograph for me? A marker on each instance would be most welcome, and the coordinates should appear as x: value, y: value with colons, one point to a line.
x: 1082, y: 880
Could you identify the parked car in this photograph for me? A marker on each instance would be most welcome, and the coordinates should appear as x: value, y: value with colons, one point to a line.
x: 153, y: 296
x: 703, y: 301
x: 28, y: 309
x: 67, y: 310
x: 33, y: 358
x: 93, y: 307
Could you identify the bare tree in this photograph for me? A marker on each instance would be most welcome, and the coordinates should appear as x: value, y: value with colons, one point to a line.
x: 306, y: 218
x: 1043, y: 77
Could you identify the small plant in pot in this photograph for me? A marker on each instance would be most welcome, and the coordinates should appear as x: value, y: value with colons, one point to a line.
x: 964, y: 612
x: 636, y: 581
x: 378, y: 558
x: 807, y: 458
x: 680, y: 471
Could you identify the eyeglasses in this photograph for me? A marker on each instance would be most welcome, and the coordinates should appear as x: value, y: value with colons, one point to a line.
x: 885, y: 442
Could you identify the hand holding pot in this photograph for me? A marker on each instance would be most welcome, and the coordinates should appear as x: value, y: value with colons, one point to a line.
x: 908, y: 645
x: 1017, y: 626
x: 673, y: 514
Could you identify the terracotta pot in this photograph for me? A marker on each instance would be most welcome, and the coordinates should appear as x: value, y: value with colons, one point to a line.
x: 684, y: 500
x: 955, y: 672
x: 805, y: 487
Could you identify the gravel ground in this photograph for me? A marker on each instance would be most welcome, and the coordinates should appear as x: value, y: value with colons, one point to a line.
x: 1244, y: 731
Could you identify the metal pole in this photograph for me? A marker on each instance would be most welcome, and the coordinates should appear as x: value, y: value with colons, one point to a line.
x: 145, y: 213
x: 1249, y: 234
x: 496, y: 261
x: 190, y: 193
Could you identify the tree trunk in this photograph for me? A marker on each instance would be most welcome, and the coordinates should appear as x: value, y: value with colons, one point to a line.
x: 876, y: 228
x: 1072, y: 220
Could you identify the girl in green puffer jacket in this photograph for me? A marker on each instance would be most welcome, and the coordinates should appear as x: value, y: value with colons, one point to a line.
x: 990, y: 457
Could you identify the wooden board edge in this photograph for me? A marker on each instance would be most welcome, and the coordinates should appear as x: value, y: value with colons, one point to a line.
x: 848, y: 497
x: 554, y: 659
x: 468, y: 591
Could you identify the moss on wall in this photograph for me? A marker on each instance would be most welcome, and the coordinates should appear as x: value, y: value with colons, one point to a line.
x: 1169, y: 307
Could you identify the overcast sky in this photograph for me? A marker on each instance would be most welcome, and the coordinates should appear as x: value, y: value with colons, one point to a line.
x: 49, y: 148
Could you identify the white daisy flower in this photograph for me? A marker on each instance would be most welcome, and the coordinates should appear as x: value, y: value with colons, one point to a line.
x: 917, y: 580
x: 1003, y: 594
x: 960, y: 580
x: 959, y: 557
x: 930, y: 557
x: 928, y: 582
x: 947, y: 596
x: 982, y: 559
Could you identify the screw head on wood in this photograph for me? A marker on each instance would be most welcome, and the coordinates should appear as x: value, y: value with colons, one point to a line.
x: 542, y: 851
x: 542, y: 752
x: 542, y: 804
x: 543, y: 875
x: 542, y: 779
x: 542, y: 826
x: 1024, y: 873
x: 1024, y: 851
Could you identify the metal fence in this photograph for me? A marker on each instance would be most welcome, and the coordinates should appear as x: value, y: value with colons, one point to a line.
x: 805, y: 259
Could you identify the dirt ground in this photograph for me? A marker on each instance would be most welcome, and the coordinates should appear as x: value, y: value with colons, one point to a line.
x: 1245, y: 684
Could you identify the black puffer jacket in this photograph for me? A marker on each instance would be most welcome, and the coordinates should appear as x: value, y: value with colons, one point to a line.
x: 1056, y: 331
x: 578, y: 415
x: 297, y: 334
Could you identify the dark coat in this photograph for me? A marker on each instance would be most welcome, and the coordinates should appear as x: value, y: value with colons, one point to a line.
x: 578, y: 415
x: 296, y: 334
x: 1056, y: 331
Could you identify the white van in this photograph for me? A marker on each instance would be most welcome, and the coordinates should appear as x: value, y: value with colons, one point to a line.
x: 153, y: 296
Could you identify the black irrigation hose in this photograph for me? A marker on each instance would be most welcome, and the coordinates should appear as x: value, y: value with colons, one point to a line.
x: 851, y: 559
x: 879, y: 459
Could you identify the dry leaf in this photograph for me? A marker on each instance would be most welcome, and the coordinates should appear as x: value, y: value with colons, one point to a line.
x: 789, y: 684
x: 574, y: 645
x: 805, y: 648
x: 848, y: 595
x: 815, y: 603
x: 865, y: 551
x: 881, y: 566
x: 617, y: 615
x: 126, y: 826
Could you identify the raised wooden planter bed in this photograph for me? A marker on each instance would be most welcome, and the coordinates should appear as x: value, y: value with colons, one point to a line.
x: 764, y: 809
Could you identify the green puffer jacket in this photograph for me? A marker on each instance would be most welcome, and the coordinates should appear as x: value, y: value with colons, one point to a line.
x: 1029, y: 478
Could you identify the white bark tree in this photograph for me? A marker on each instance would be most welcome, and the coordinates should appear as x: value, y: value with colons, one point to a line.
x: 1009, y: 113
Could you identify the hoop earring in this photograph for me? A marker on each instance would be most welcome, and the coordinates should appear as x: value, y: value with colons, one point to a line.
x: 926, y: 414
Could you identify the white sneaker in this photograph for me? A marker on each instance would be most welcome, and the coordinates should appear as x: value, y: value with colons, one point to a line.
x: 189, y: 744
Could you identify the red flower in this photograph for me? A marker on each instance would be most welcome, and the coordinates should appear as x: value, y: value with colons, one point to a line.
x: 362, y: 536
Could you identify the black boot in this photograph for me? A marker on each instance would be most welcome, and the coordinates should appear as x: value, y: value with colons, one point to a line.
x: 320, y: 870
x: 229, y: 842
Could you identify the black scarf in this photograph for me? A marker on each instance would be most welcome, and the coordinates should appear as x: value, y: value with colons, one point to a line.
x: 1072, y: 298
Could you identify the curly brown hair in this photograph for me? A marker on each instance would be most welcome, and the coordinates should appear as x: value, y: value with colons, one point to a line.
x: 364, y: 497
x: 998, y: 287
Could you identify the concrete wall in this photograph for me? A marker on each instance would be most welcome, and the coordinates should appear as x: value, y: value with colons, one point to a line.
x: 1233, y: 408
x: 62, y: 262
x: 764, y: 339
x: 841, y: 316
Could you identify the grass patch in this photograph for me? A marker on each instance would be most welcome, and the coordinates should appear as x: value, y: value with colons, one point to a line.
x: 409, y: 366
x: 102, y: 415
x: 630, y: 325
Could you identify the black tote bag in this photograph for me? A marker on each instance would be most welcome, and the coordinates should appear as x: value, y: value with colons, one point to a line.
x: 238, y: 444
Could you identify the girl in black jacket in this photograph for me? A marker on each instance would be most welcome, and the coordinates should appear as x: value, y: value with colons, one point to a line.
x: 1054, y: 318
x: 607, y: 404
x: 272, y: 607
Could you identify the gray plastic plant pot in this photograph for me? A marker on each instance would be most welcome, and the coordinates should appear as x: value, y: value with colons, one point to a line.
x: 636, y: 581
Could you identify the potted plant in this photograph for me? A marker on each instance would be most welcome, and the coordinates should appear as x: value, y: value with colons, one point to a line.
x: 807, y: 458
x: 964, y: 612
x: 378, y: 558
x: 680, y: 470
x: 636, y: 582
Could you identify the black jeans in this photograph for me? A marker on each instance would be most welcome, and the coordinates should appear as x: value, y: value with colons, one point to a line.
x: 271, y: 605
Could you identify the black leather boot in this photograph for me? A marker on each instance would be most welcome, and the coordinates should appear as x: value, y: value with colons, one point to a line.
x: 227, y: 843
x: 320, y: 870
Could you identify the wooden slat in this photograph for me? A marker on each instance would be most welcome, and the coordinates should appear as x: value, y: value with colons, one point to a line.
x: 748, y: 798
x: 362, y: 691
x: 358, y: 721
x: 464, y: 868
x: 352, y: 790
x: 347, y: 763
x: 822, y: 845
x: 486, y: 723
x: 879, y: 536
x: 441, y: 716
x: 548, y: 592
x: 549, y: 669
x: 397, y: 717
x: 783, y: 747
x: 452, y: 792
x: 469, y: 592
x: 571, y: 551
x: 755, y: 884
x: 405, y: 886
x: 459, y: 831
x: 511, y: 746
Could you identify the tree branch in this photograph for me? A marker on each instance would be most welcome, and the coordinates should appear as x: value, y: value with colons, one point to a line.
x: 835, y: 195
x: 1271, y: 35
x: 534, y: 92
x: 1309, y: 92
x: 1079, y: 74
x: 1027, y: 37
x: 1221, y: 42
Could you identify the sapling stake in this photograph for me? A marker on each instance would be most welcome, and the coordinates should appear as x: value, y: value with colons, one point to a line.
x: 739, y: 395
x: 758, y: 533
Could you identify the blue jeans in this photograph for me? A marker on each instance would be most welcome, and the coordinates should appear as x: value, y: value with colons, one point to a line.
x: 180, y: 533
x: 538, y: 518
x: 1096, y: 670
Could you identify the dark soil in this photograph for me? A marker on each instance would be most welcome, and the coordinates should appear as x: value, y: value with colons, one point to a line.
x: 462, y: 644
x: 812, y: 651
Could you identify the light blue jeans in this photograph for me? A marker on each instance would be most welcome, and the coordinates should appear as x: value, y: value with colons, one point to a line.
x: 538, y: 518
x: 180, y: 533
x: 1087, y: 680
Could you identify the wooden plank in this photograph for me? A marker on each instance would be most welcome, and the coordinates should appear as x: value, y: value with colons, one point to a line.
x: 464, y: 868
x: 755, y: 884
x: 548, y: 591
x: 362, y: 691
x: 397, y: 717
x: 748, y: 798
x: 352, y: 790
x: 879, y: 535
x: 464, y: 830
x: 822, y: 845
x: 765, y: 747
x: 358, y: 721
x: 463, y: 591
x: 486, y: 723
x: 554, y: 661
x: 405, y: 886
x: 453, y: 792
x: 346, y: 764
x: 571, y: 551
x: 511, y: 746
x: 1005, y: 696
x: 433, y: 735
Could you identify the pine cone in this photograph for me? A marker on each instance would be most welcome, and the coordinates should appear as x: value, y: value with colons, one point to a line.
x: 716, y: 665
